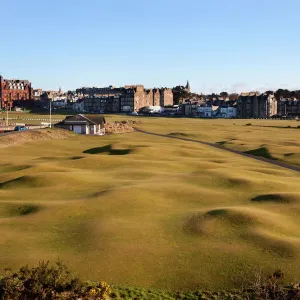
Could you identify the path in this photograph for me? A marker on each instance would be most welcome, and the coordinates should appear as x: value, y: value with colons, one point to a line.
x: 260, y: 158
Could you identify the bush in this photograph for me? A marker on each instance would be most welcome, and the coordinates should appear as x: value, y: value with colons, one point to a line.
x: 55, y: 282
x: 49, y: 282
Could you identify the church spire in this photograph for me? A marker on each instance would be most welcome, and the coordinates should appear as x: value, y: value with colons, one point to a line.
x: 188, y: 88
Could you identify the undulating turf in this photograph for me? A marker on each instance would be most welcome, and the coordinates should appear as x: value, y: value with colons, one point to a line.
x: 149, y: 211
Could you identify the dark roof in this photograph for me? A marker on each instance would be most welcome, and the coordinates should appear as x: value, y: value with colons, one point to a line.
x: 98, y: 119
x: 88, y: 119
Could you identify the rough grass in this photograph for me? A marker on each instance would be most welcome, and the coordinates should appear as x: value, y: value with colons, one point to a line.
x: 171, y: 214
x: 17, y: 138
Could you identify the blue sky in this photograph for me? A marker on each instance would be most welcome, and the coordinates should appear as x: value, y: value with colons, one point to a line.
x: 231, y: 45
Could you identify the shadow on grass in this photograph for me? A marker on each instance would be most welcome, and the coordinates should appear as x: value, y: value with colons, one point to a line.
x: 274, y: 126
x: 108, y: 149
x: 216, y: 212
x: 277, y: 198
x: 11, y: 168
x: 24, y: 210
x: 8, y: 183
x: 178, y: 134
x: 289, y: 154
x: 263, y: 152
x: 76, y: 157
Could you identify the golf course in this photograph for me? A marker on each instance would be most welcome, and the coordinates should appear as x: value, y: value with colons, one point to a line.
x: 150, y: 211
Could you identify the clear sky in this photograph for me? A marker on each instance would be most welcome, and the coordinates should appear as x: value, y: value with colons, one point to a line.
x: 231, y: 45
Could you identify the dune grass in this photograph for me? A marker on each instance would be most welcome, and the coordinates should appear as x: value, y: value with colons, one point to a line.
x: 164, y: 214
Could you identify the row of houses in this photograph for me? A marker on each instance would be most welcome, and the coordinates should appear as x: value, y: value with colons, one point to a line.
x: 248, y: 105
x: 255, y: 105
x: 209, y: 109
x: 137, y: 99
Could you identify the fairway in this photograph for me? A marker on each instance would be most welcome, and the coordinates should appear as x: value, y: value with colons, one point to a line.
x: 149, y: 211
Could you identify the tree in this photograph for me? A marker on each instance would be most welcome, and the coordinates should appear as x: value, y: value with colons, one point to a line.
x: 180, y: 93
x: 224, y: 94
x: 283, y: 93
x: 233, y: 96
x: 269, y: 93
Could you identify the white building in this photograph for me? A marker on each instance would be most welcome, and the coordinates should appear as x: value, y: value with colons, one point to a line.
x: 227, y: 112
x: 207, y: 110
x: 79, y: 106
x: 84, y: 124
x: 61, y: 103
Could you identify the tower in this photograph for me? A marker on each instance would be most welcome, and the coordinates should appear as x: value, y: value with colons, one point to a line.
x: 187, y: 87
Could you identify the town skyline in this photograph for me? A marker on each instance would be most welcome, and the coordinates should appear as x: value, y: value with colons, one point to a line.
x: 238, y: 88
x: 217, y: 45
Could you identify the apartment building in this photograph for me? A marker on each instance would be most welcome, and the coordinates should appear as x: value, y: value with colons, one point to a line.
x: 124, y: 99
x: 256, y: 105
x: 14, y: 92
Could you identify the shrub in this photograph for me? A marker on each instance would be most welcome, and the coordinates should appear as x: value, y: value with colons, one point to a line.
x: 48, y: 282
x: 55, y: 282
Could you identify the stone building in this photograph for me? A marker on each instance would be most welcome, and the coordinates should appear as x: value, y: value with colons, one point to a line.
x: 15, y: 92
x: 256, y: 105
x: 124, y: 99
x: 36, y: 94
x: 289, y: 107
x: 166, y: 97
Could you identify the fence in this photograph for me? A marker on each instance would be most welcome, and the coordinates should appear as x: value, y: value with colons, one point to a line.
x: 31, y: 119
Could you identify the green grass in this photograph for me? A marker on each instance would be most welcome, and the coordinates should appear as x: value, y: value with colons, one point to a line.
x: 166, y: 214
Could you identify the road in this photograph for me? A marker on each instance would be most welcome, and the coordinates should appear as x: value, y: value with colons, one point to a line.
x: 270, y: 161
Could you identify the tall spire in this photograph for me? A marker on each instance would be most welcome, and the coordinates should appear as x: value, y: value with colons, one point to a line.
x: 188, y: 88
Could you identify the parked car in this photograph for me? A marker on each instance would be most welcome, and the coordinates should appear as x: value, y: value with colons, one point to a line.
x: 20, y: 128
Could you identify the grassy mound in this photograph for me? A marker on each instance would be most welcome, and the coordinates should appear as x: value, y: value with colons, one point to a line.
x: 7, y: 168
x: 216, y: 220
x: 27, y: 181
x: 274, y: 244
x: 46, y: 180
